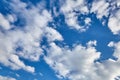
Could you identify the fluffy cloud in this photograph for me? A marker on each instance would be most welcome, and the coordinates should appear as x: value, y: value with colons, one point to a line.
x: 70, y: 9
x: 52, y: 34
x: 8, y: 53
x: 103, y: 8
x: 6, y: 78
x: 24, y: 41
x: 79, y: 63
x: 77, y: 5
x: 114, y: 22
x: 4, y: 23
x: 87, y: 21
x: 100, y: 8
x: 116, y: 47
x: 76, y: 64
x: 109, y: 9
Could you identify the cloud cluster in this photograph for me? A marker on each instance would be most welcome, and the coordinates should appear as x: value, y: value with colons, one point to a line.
x: 109, y: 9
x: 24, y: 41
x: 76, y: 63
x: 100, y: 8
x: 4, y: 23
x: 80, y: 63
x: 70, y: 9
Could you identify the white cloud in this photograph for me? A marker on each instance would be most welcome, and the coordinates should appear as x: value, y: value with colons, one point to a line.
x: 68, y: 9
x: 11, y: 18
x: 28, y: 38
x: 76, y: 64
x: 109, y: 9
x: 4, y: 23
x: 114, y: 22
x: 71, y: 20
x: 79, y: 63
x: 6, y: 78
x: 19, y: 64
x: 116, y: 47
x: 52, y: 34
x: 87, y: 21
x: 118, y: 3
x: 70, y: 5
x: 100, y: 8
x: 8, y: 58
x: 92, y: 43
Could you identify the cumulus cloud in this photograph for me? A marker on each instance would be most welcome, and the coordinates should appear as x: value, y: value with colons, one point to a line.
x: 8, y: 56
x: 116, y: 47
x: 4, y: 23
x: 103, y: 8
x: 24, y: 41
x: 53, y: 35
x: 114, y: 22
x: 109, y: 9
x: 100, y: 8
x: 79, y: 63
x: 6, y: 78
x: 70, y: 9
x: 76, y: 63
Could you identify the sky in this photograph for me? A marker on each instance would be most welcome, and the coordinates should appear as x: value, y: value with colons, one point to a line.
x: 59, y: 39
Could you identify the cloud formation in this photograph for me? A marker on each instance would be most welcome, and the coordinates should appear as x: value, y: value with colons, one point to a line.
x: 70, y: 9
x: 24, y: 41
x: 76, y: 63
x: 73, y: 9
x: 80, y: 63
x: 100, y: 8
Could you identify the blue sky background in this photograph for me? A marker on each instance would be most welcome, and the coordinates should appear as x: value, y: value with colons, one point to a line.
x: 96, y: 31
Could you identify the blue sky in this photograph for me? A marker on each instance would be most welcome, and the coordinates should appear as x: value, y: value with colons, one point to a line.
x: 59, y: 39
